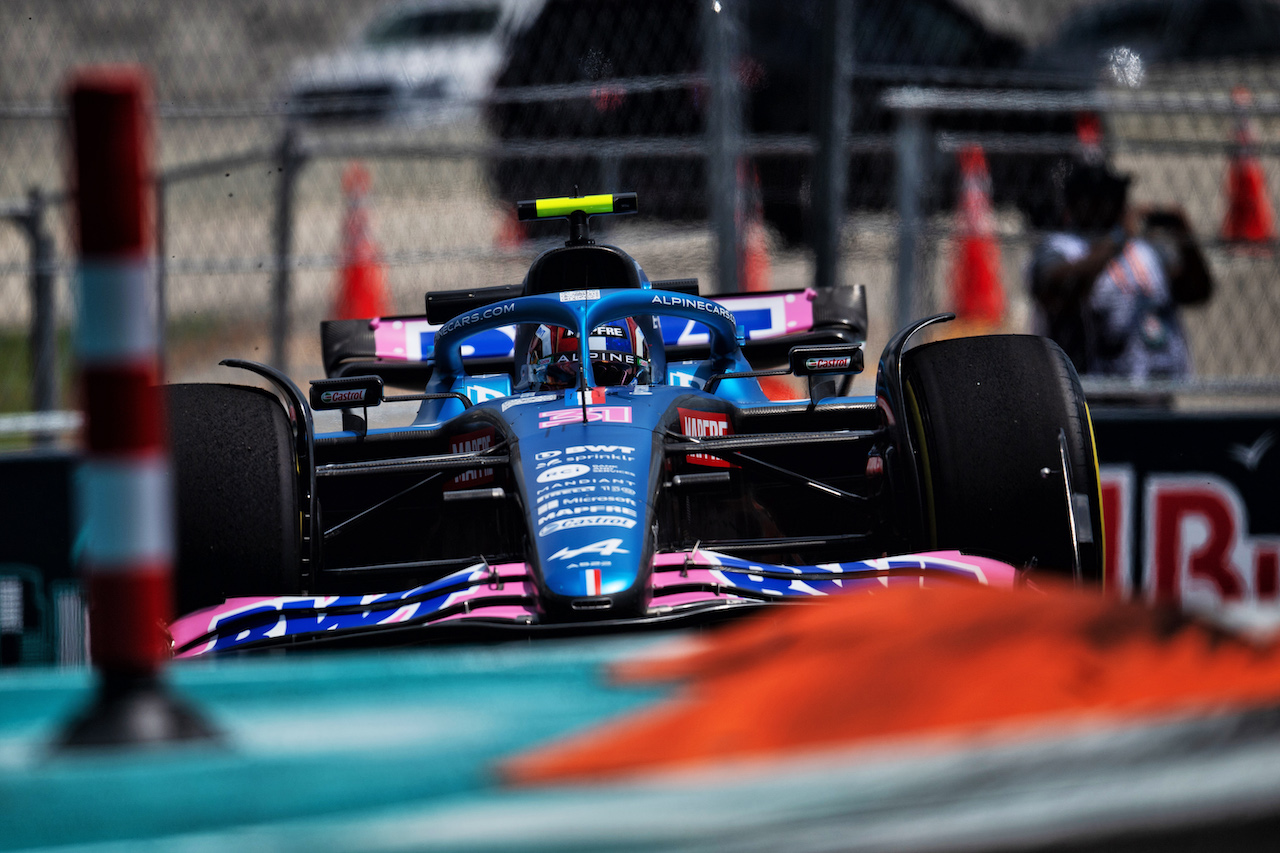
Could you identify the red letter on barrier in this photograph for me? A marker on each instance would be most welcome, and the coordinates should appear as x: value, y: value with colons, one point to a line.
x: 1117, y: 489
x: 1174, y: 507
x: 1266, y: 571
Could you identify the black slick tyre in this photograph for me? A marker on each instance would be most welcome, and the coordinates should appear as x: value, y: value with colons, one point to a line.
x: 235, y: 487
x: 992, y: 419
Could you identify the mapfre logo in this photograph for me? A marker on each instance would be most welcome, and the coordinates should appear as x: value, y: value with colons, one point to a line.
x: 471, y: 442
x: 697, y: 424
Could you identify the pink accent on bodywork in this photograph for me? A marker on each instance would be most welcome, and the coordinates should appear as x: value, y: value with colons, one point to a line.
x: 699, y: 597
x: 800, y: 311
x: 506, y: 611
x: 400, y: 339
x: 710, y: 569
x: 795, y: 308
x: 993, y: 572
x: 389, y: 339
x: 187, y: 629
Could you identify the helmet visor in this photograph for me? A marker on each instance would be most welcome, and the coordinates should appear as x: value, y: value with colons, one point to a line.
x: 555, y: 374
x: 608, y: 368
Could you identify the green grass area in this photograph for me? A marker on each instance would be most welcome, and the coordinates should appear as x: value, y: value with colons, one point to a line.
x: 188, y: 338
x: 16, y: 376
x: 17, y: 370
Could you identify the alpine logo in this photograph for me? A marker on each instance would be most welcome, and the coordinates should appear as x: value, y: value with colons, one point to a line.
x: 353, y: 395
x: 697, y: 424
x: 828, y: 363
x: 604, y: 548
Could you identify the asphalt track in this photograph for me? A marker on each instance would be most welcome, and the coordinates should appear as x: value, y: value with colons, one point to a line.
x: 400, y: 751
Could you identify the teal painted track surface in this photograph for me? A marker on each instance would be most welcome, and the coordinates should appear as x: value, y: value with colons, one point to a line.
x: 397, y: 751
x: 316, y: 746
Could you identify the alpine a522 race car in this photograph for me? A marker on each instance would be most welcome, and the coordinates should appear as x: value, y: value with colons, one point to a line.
x: 593, y: 452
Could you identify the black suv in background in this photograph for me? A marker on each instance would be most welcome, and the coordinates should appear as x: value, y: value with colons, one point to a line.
x: 628, y: 70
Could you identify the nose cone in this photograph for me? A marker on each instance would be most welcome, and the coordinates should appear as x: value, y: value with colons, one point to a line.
x: 587, y: 499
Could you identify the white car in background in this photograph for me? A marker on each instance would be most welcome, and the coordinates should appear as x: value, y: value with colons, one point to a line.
x: 422, y: 62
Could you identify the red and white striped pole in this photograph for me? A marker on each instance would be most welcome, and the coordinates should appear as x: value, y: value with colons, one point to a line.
x: 124, y: 485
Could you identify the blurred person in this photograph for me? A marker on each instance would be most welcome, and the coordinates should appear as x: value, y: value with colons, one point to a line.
x: 1107, y: 285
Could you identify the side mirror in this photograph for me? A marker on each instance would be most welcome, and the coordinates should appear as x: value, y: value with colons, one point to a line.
x: 829, y: 368
x: 346, y: 392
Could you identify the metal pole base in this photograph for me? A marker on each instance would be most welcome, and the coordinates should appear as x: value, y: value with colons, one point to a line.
x: 135, y: 710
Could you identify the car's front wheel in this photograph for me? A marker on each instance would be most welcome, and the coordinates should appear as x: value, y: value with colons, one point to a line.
x: 1004, y: 449
x: 235, y: 475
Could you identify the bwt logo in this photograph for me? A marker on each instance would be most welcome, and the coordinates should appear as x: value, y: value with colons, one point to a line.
x: 355, y: 395
x: 828, y: 363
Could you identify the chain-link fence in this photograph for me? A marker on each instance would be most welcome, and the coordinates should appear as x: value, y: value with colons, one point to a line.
x: 719, y: 115
x: 1177, y: 147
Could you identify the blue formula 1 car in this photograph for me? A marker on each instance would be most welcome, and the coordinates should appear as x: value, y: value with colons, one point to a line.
x: 593, y: 452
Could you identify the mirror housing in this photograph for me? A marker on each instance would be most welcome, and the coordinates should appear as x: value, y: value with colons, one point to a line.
x: 824, y: 359
x: 346, y: 392
x: 829, y: 367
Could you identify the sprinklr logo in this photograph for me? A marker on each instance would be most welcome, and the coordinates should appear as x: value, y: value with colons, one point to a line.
x: 704, y: 425
x: 354, y: 395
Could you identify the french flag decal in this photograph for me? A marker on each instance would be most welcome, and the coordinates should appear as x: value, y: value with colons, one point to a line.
x: 593, y: 581
x: 594, y: 397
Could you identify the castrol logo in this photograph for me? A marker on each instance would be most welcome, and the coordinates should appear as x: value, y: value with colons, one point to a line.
x: 353, y: 395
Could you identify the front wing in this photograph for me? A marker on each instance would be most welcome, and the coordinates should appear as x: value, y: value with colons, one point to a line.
x: 687, y: 583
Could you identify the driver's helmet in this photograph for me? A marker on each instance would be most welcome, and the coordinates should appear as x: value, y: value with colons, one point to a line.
x: 619, y: 356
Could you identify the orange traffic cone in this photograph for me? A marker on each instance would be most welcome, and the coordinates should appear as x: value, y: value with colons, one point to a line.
x: 362, y: 290
x: 754, y: 274
x: 1249, y: 216
x: 976, y: 293
x: 511, y: 233
x: 1089, y: 137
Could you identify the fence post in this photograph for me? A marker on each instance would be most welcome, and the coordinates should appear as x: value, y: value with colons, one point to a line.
x: 912, y: 172
x: 290, y: 164
x: 831, y: 172
x: 44, y: 317
x: 724, y: 138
